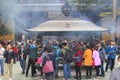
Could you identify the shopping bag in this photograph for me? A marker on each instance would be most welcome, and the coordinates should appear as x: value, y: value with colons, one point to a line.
x: 39, y: 61
x: 48, y: 67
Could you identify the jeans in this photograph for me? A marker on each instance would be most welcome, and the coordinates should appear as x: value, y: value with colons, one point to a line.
x: 2, y: 66
x: 110, y: 62
x: 23, y: 64
x: 56, y: 68
x: 50, y: 77
x: 67, y: 71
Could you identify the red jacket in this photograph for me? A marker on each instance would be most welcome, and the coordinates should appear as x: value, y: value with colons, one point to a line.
x: 15, y: 49
x: 79, y: 52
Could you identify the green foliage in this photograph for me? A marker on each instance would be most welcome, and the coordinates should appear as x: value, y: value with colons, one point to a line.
x: 83, y: 4
x: 84, y: 1
x: 4, y: 30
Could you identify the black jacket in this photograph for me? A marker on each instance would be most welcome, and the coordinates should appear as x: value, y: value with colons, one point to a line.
x: 8, y: 55
x: 24, y: 53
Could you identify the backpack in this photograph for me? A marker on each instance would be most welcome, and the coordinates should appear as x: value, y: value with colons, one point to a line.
x: 68, y: 56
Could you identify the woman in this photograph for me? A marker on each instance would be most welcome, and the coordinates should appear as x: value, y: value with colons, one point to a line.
x: 49, y: 56
x: 9, y: 60
x: 88, y: 61
x: 97, y: 61
x: 78, y: 62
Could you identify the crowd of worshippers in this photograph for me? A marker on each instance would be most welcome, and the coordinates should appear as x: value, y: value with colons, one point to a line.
x: 84, y: 55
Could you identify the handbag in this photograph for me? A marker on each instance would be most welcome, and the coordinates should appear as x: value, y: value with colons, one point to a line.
x: 78, y: 58
x: 48, y: 67
x: 39, y: 61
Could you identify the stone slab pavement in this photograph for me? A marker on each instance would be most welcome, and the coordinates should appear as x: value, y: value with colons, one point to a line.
x: 18, y: 76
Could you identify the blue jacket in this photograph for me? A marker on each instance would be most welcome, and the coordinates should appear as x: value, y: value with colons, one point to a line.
x: 58, y: 52
x: 111, y: 51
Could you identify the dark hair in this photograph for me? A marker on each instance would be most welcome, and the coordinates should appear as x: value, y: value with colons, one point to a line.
x: 95, y: 47
x: 48, y: 49
x: 60, y: 46
x: 64, y: 44
x: 2, y: 43
x: 22, y: 44
x: 88, y: 47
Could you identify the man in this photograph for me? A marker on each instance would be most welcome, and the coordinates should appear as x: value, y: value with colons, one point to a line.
x: 32, y: 58
x: 2, y: 58
x: 111, y: 52
x: 115, y: 75
x: 102, y: 58
x: 22, y: 57
x: 66, y: 64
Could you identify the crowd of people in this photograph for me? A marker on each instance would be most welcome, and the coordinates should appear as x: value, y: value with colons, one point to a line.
x: 84, y: 55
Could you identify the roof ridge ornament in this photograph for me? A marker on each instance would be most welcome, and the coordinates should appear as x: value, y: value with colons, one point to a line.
x: 66, y: 9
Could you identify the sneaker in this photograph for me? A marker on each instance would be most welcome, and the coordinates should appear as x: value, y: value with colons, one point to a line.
x: 34, y: 75
x: 80, y: 77
x: 76, y: 77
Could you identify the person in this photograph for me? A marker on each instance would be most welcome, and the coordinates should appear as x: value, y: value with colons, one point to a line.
x: 15, y: 49
x: 43, y: 54
x: 57, y: 57
x: 49, y: 56
x: 78, y: 63
x: 115, y: 74
x: 2, y: 50
x: 88, y: 61
x: 97, y: 61
x: 102, y: 55
x: 111, y: 51
x: 22, y: 57
x: 9, y: 60
x: 32, y: 58
x: 66, y: 64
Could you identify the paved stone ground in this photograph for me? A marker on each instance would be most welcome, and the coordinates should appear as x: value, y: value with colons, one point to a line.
x: 18, y: 76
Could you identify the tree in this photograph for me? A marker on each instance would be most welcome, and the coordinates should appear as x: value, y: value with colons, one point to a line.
x: 4, y: 30
x: 83, y: 4
x: 8, y: 11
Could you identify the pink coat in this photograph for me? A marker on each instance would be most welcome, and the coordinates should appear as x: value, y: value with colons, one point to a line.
x: 96, y: 58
